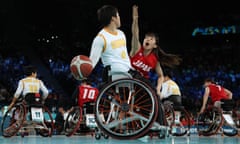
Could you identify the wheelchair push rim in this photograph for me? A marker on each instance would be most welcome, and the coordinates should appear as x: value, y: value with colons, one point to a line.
x: 126, y: 109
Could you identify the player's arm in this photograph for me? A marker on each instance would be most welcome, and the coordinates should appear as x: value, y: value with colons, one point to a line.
x: 135, y: 42
x: 96, y: 50
x: 16, y: 94
x: 229, y: 93
x: 159, y: 72
x: 44, y: 90
x: 205, y: 99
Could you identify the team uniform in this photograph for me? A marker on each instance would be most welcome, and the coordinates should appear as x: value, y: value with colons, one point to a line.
x: 111, y: 48
x: 144, y: 64
x: 170, y: 91
x: 217, y: 93
x: 170, y: 88
x: 30, y: 85
x: 86, y: 94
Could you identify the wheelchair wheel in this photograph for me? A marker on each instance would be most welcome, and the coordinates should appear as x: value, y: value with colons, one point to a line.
x: 126, y: 109
x: 73, y: 121
x: 169, y: 114
x: 182, y: 122
x: 45, y: 128
x: 210, y: 121
x: 230, y: 126
x: 13, y: 120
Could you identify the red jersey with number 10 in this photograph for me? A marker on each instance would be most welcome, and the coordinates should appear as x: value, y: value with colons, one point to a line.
x: 217, y: 92
x: 87, y: 94
x: 144, y: 64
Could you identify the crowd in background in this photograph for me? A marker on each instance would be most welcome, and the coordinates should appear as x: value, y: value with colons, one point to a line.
x: 196, y: 66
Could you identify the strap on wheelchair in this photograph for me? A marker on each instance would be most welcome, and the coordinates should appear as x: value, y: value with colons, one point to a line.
x: 106, y: 74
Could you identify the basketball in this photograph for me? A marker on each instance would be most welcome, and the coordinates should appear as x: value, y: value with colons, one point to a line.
x: 81, y: 67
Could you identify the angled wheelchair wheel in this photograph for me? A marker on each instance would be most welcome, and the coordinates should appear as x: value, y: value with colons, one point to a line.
x: 126, y: 109
x: 230, y: 126
x: 73, y: 121
x: 229, y: 130
x: 169, y: 114
x: 210, y: 121
x: 12, y: 120
x: 46, y: 125
x: 182, y: 122
x: 168, y: 122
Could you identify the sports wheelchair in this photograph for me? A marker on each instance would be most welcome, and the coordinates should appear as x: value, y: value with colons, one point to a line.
x: 82, y: 120
x: 28, y: 113
x: 126, y: 108
x: 180, y: 122
x: 224, y: 120
x: 176, y: 119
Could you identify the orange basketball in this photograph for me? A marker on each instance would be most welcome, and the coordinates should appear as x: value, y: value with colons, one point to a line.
x: 81, y: 67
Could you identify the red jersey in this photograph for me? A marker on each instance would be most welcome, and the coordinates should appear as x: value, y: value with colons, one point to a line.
x: 217, y: 92
x: 144, y: 64
x: 87, y: 94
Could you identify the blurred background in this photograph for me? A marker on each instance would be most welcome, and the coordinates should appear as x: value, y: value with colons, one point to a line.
x: 49, y: 33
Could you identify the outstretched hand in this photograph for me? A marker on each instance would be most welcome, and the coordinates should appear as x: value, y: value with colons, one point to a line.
x: 135, y: 11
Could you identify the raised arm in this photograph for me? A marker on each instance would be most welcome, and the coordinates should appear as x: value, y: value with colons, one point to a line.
x: 135, y: 43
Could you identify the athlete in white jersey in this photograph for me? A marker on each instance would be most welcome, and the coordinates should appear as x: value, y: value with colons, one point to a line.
x: 110, y: 43
x: 170, y: 89
x: 29, y: 84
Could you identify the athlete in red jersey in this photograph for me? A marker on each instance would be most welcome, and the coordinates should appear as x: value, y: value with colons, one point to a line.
x: 215, y: 92
x: 144, y: 63
x: 85, y: 93
x: 149, y: 56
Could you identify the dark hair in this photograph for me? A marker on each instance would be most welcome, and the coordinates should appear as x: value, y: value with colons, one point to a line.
x: 28, y: 70
x: 105, y: 14
x: 165, y: 59
x: 209, y: 80
x: 167, y: 72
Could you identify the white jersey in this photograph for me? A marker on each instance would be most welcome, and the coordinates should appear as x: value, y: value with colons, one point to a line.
x: 169, y: 88
x: 30, y: 85
x: 112, y: 50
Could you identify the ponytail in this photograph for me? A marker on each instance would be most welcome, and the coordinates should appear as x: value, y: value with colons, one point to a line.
x: 167, y: 59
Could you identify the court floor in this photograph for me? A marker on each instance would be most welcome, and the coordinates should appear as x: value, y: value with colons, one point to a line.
x: 61, y: 139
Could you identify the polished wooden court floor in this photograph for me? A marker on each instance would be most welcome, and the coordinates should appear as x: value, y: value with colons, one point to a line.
x: 61, y: 139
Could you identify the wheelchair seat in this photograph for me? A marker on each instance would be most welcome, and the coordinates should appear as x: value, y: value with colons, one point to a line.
x: 88, y: 108
x: 33, y: 99
x: 227, y: 104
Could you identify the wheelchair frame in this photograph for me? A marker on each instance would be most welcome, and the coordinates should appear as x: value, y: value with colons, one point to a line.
x: 215, y: 119
x: 129, y: 107
x: 16, y: 120
x: 77, y: 117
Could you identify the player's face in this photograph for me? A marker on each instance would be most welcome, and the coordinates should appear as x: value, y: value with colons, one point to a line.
x: 149, y: 42
x: 117, y: 20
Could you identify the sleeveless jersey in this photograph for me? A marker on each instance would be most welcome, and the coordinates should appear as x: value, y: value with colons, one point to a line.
x: 144, y: 64
x: 87, y: 94
x: 170, y: 88
x: 217, y: 92
x: 115, y: 51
